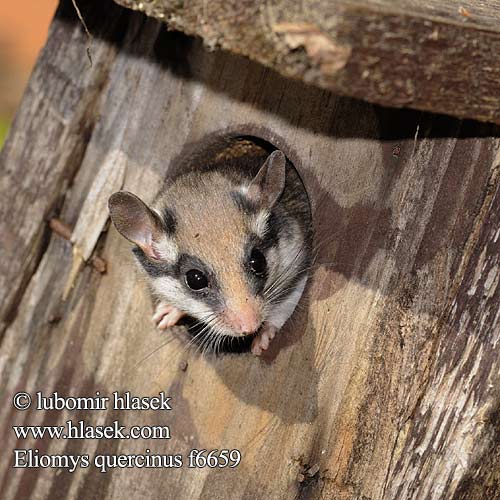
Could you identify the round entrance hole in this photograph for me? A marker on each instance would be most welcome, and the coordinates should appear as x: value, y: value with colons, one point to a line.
x: 235, y: 151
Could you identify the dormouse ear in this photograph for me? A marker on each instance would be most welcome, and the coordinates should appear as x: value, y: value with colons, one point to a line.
x: 268, y: 184
x: 135, y: 221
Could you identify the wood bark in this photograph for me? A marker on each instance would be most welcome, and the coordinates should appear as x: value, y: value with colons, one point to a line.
x: 439, y: 56
x: 385, y: 383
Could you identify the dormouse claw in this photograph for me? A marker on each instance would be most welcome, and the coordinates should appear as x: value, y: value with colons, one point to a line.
x: 167, y: 315
x: 261, y: 342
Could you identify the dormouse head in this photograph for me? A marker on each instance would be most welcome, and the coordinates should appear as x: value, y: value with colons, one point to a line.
x: 208, y: 244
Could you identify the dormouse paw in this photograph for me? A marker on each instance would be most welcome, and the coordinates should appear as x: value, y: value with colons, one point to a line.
x: 166, y: 315
x: 261, y: 342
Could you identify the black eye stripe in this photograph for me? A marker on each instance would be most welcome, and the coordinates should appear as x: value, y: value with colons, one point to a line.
x: 196, y: 279
x: 154, y: 269
x: 185, y: 262
x: 210, y: 291
x: 257, y: 262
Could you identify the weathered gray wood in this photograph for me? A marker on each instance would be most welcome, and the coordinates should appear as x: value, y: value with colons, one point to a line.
x: 429, y: 55
x: 385, y: 379
x: 38, y: 162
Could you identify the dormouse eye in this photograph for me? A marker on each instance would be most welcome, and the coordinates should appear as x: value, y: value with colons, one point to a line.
x: 196, y: 280
x: 257, y: 262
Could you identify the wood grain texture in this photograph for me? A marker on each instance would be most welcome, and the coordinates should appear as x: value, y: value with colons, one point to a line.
x: 435, y: 56
x: 58, y: 114
x: 386, y: 378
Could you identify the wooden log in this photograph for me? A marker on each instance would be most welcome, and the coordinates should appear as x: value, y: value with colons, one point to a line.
x: 57, y: 116
x: 439, y: 56
x: 383, y: 385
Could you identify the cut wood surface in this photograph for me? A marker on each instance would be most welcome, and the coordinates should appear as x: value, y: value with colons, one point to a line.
x: 385, y: 382
x: 440, y: 56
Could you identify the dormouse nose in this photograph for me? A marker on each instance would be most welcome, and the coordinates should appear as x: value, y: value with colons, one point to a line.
x: 243, y: 318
